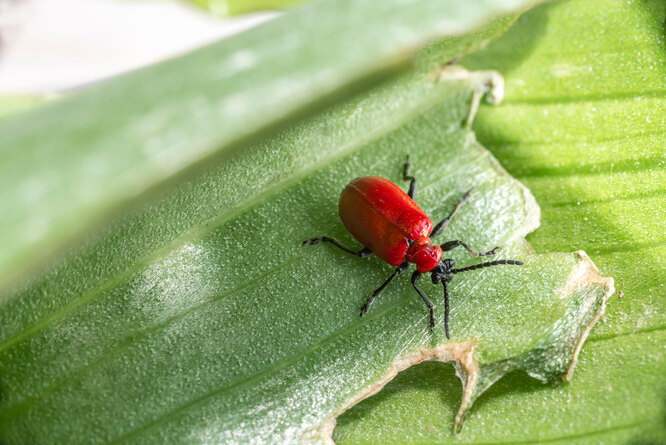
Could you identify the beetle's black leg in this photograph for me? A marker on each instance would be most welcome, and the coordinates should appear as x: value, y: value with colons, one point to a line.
x: 450, y: 245
x: 400, y: 269
x: 446, y: 311
x: 416, y: 276
x: 488, y: 264
x: 407, y: 177
x: 445, y: 222
x: 361, y: 253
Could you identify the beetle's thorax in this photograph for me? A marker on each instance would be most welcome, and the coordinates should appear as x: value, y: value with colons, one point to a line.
x: 424, y: 254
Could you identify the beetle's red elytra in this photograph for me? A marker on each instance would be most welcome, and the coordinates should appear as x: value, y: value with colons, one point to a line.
x: 389, y: 224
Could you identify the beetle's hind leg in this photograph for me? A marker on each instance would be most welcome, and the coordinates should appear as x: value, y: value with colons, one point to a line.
x: 324, y: 239
x: 407, y: 177
x: 439, y: 228
x: 400, y: 269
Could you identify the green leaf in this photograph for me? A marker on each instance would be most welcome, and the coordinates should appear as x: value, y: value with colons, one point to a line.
x: 71, y: 166
x: 583, y: 126
x: 235, y: 331
x: 203, y: 317
x: 198, y: 316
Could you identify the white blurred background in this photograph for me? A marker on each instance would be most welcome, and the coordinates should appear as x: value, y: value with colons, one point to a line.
x: 51, y: 46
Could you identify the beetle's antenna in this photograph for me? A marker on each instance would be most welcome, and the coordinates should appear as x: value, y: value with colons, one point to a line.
x: 488, y: 264
x: 446, y: 310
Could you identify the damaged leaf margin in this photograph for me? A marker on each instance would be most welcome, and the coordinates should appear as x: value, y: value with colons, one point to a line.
x: 553, y: 359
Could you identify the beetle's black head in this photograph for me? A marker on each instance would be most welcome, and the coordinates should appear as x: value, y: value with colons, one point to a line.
x: 444, y: 271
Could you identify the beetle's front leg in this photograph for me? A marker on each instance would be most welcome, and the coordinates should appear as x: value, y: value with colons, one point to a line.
x: 450, y: 245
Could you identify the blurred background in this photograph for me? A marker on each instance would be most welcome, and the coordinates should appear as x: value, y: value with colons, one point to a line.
x: 52, y: 46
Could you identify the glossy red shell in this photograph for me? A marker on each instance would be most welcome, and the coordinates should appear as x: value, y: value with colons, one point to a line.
x: 424, y: 254
x: 382, y: 217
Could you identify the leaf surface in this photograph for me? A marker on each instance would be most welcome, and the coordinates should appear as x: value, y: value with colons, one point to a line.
x: 232, y: 331
x: 198, y: 316
x: 71, y: 166
x: 582, y: 126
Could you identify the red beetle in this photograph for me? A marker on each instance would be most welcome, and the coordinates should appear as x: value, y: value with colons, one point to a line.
x: 389, y: 224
